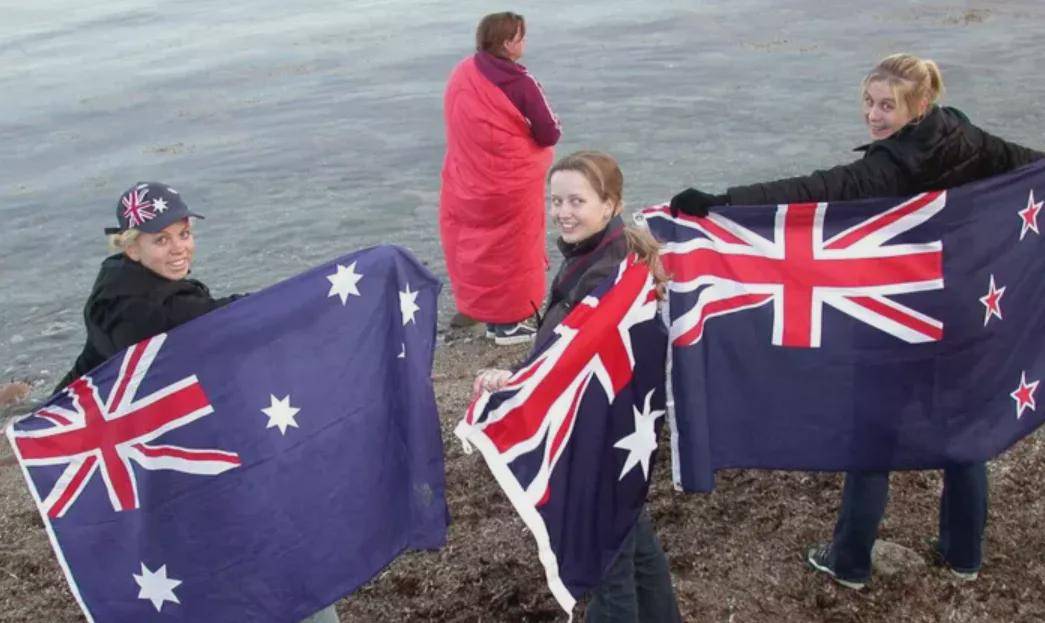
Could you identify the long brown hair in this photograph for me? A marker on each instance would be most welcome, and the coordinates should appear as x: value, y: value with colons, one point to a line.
x: 604, y: 174
x: 497, y: 28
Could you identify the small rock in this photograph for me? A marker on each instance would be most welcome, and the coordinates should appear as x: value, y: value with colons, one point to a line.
x: 889, y: 558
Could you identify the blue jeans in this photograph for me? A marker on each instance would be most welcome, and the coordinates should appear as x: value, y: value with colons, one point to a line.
x: 963, y: 518
x: 637, y: 587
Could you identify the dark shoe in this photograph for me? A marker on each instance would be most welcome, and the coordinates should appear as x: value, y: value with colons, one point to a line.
x: 460, y: 321
x: 940, y: 561
x: 513, y: 333
x: 819, y: 558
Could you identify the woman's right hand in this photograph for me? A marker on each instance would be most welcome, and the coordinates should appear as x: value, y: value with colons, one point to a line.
x: 489, y: 380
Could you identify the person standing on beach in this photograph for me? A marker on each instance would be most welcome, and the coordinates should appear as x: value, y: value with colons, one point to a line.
x: 586, y: 203
x: 499, y: 136
x: 917, y: 146
x: 144, y: 288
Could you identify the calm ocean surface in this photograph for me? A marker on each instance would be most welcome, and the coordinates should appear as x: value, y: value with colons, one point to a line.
x: 307, y: 130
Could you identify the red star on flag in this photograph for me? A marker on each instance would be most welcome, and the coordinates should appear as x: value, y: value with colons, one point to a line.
x: 1024, y: 395
x: 992, y: 301
x: 1029, y: 216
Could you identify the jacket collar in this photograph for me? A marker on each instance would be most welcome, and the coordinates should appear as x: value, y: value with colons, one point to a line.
x: 576, y: 249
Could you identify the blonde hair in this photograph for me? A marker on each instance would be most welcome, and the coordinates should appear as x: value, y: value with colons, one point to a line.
x: 604, y: 174
x: 913, y: 80
x: 122, y: 240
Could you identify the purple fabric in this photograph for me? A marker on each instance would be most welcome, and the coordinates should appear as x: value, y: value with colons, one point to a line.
x: 525, y: 92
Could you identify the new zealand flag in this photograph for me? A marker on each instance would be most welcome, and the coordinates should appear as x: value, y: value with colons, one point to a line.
x: 876, y: 334
x: 572, y: 436
x: 255, y: 464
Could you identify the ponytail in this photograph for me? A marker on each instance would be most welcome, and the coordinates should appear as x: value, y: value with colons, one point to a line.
x: 645, y: 246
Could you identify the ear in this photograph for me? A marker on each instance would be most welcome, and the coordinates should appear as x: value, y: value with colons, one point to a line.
x: 923, y: 107
x: 133, y: 251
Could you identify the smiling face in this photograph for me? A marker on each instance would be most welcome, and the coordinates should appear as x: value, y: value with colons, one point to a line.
x: 884, y: 112
x: 576, y: 208
x: 168, y: 252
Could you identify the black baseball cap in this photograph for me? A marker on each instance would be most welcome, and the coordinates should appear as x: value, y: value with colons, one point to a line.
x: 149, y: 207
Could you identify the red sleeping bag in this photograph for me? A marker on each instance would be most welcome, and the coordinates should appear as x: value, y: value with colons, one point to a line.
x: 491, y: 206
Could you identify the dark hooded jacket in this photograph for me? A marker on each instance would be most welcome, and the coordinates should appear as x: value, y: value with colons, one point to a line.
x: 130, y: 303
x: 523, y: 90
x: 941, y: 151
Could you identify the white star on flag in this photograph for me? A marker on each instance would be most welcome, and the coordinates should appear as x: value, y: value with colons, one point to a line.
x: 1029, y: 216
x: 1024, y: 395
x: 156, y: 586
x: 642, y: 443
x: 343, y: 282
x: 402, y: 353
x: 281, y: 414
x: 159, y: 205
x: 408, y: 305
x: 992, y: 301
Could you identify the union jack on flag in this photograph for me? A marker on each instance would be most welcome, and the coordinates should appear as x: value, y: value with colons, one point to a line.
x: 798, y: 271
x: 585, y: 409
x: 876, y: 334
x: 96, y: 436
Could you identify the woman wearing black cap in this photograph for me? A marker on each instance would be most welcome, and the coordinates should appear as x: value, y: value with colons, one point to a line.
x: 143, y: 290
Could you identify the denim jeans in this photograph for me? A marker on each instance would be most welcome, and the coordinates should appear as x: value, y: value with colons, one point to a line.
x: 637, y: 587
x: 963, y: 518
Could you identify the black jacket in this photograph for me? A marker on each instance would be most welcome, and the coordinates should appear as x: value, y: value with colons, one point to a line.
x: 941, y: 151
x: 130, y: 303
x: 584, y: 266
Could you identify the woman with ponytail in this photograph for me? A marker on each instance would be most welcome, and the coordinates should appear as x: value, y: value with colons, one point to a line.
x: 586, y: 206
x: 916, y: 146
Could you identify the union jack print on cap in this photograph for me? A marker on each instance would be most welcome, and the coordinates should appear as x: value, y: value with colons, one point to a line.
x: 149, y: 207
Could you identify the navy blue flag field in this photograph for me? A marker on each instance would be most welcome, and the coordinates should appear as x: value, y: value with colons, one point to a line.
x: 571, y: 438
x: 255, y: 464
x: 874, y: 334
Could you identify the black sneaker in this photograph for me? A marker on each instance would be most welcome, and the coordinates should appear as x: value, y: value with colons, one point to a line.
x: 507, y: 334
x: 819, y: 558
x: 938, y: 560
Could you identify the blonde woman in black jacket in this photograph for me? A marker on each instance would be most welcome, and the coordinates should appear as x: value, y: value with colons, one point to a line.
x: 916, y: 146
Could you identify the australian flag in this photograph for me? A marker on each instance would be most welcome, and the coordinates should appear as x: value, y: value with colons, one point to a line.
x: 875, y: 334
x: 255, y: 464
x: 571, y: 438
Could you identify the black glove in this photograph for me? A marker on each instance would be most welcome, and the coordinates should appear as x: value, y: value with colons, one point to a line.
x: 695, y: 202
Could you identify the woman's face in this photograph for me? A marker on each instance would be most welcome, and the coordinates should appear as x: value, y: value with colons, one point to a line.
x: 515, y: 46
x: 168, y: 252
x: 576, y: 208
x: 883, y: 113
